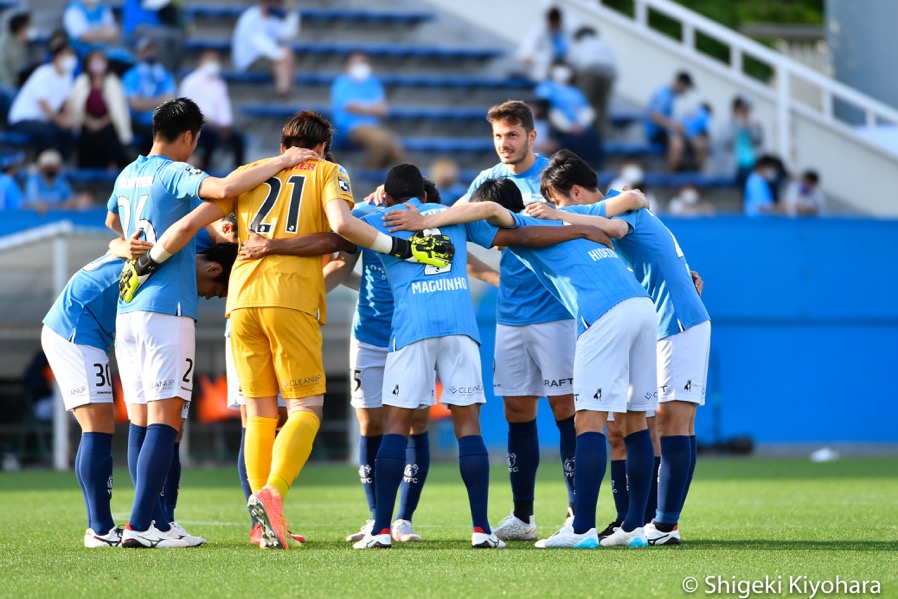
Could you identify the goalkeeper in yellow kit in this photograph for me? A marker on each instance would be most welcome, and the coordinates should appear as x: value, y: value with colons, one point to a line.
x: 277, y: 304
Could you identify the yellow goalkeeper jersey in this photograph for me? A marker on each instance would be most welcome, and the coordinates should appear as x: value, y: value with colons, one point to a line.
x: 289, y: 204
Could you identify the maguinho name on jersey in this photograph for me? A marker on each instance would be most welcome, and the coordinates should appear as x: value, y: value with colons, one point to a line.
x: 439, y: 285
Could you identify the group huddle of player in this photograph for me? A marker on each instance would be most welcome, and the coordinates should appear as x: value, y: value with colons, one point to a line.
x: 602, y: 317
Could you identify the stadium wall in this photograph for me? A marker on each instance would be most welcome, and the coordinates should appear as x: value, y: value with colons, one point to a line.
x: 804, y: 331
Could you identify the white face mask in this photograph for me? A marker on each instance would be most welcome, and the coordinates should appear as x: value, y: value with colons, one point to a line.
x: 561, y: 74
x: 689, y: 196
x: 68, y: 63
x: 31, y: 34
x: 360, y: 71
x: 632, y: 174
x: 212, y: 69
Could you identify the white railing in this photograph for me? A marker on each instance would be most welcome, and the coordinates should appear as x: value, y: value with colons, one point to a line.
x: 787, y: 72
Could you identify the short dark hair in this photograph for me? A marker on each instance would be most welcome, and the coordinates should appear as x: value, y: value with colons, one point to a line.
x: 565, y: 170
x: 404, y: 181
x: 174, y: 117
x: 59, y: 46
x: 514, y: 112
x: 306, y: 129
x: 554, y: 16
x: 684, y: 78
x: 502, y: 191
x: 223, y: 254
x: 433, y: 194
x: 18, y: 22
x: 812, y: 176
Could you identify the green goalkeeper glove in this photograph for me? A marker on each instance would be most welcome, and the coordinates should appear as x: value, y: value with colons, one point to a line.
x: 134, y: 274
x: 435, y: 250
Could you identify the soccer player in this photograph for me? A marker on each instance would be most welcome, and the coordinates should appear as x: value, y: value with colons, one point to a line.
x: 683, y: 325
x: 76, y: 336
x: 155, y: 332
x: 614, y: 354
x: 277, y: 304
x: 434, y: 330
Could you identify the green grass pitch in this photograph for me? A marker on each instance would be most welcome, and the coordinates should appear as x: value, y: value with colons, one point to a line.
x: 745, y: 519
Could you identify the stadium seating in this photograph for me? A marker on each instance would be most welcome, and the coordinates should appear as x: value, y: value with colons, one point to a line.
x: 375, y: 50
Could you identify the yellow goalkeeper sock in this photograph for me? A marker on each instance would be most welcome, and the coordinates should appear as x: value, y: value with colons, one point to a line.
x: 292, y: 448
x: 257, y: 450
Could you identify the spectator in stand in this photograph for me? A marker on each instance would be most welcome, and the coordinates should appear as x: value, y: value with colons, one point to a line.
x: 697, y: 135
x: 147, y: 85
x: 11, y: 197
x: 571, y: 117
x: 444, y: 174
x: 208, y: 89
x: 39, y: 109
x: 660, y: 125
x: 13, y: 59
x: 358, y: 106
x: 740, y: 142
x: 596, y: 68
x: 759, y: 198
x: 545, y: 142
x: 632, y: 176
x: 100, y: 110
x: 160, y: 21
x: 48, y: 189
x: 261, y: 42
x: 90, y: 24
x: 804, y: 197
x: 688, y: 202
x: 549, y: 42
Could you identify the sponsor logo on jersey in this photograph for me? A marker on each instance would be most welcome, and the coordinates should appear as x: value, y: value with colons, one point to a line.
x: 302, y: 382
x: 162, y: 384
x: 475, y: 390
x: 598, y: 395
x: 569, y: 467
x: 343, y: 184
x: 194, y: 170
x: 511, y: 459
x: 558, y: 382
x: 688, y: 385
x: 411, y: 473
x: 365, y: 474
x: 396, y: 391
x: 78, y: 391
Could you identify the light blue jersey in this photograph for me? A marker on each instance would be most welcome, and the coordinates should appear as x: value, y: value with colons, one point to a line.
x: 432, y: 302
x: 653, y: 253
x: 373, y: 319
x: 588, y: 278
x: 150, y: 195
x: 522, y: 298
x: 84, y: 313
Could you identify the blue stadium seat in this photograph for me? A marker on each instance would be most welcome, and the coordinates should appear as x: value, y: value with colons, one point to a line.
x: 376, y: 50
x: 307, y: 14
x: 632, y: 148
x: 392, y: 80
x: 396, y: 112
x: 14, y: 138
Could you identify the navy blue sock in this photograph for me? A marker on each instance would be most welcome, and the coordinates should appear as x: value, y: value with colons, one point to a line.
x: 172, y: 485
x: 591, y: 457
x: 619, y: 488
x: 474, y: 465
x: 136, y: 435
x: 640, y: 462
x: 389, y: 467
x: 567, y: 444
x: 676, y: 457
x: 241, y: 472
x: 152, y: 469
x: 95, y: 468
x: 693, y: 454
x: 417, y: 465
x: 368, y: 447
x: 523, y: 460
x: 652, y: 504
x: 81, y: 482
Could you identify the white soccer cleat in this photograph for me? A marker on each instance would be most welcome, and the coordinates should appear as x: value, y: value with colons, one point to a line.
x: 566, y: 538
x: 620, y: 538
x: 366, y: 529
x: 369, y: 541
x: 656, y: 537
x: 113, y: 538
x: 482, y: 540
x: 512, y: 528
x: 152, y: 538
x: 569, y: 521
x: 192, y: 540
x: 403, y: 532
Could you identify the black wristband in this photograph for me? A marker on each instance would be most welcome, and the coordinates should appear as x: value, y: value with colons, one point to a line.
x: 146, y: 265
x: 402, y: 249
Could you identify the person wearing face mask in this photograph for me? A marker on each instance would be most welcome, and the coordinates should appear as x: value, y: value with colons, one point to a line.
x: 208, y: 89
x: 688, y: 202
x: 261, y: 42
x: 90, y: 24
x: 759, y: 196
x: 571, y: 116
x: 39, y: 109
x: 48, y: 189
x: 660, y: 125
x: 358, y: 106
x: 632, y: 176
x: 147, y: 85
x: 99, y: 109
x: 549, y: 41
x: 804, y: 197
x: 160, y: 21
